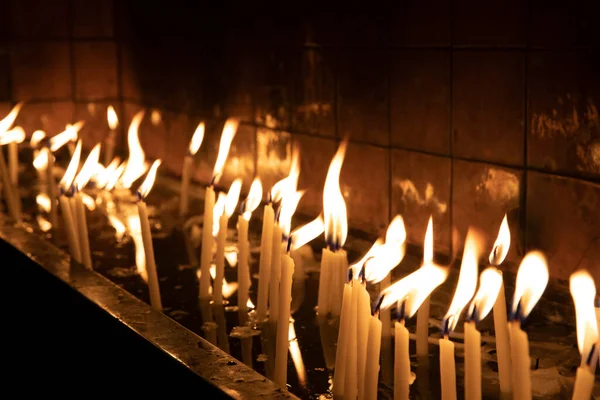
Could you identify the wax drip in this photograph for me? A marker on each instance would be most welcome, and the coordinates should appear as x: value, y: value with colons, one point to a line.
x: 446, y: 326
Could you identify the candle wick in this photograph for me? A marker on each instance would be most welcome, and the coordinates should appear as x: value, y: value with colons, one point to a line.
x: 289, y: 244
x: 213, y: 180
x: 592, y: 356
x: 401, y: 311
x: 350, y: 274
x: 377, y: 304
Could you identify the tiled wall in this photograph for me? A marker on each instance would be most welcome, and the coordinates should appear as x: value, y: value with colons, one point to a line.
x: 457, y: 108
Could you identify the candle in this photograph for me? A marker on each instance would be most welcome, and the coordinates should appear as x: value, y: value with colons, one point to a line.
x: 373, y: 352
x: 155, y: 300
x: 351, y: 380
x: 339, y: 376
x: 497, y: 255
x: 250, y: 205
x: 423, y: 313
x: 13, y: 138
x: 231, y: 201
x: 9, y: 191
x: 532, y: 279
x: 583, y: 291
x: 113, y: 123
x: 363, y: 317
x: 285, y: 299
x: 188, y: 162
x: 401, y: 362
x: 66, y: 208
x: 323, y: 307
x: 465, y: 289
x: 275, y: 274
x: 51, y: 186
x: 490, y: 282
x: 266, y: 242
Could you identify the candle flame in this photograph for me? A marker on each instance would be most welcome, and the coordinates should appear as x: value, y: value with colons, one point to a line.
x: 70, y: 134
x: 253, y: 199
x: 136, y: 163
x: 88, y: 169
x: 7, y: 121
x: 490, y: 282
x: 135, y: 231
x: 119, y: 227
x: 334, y: 206
x: 583, y: 291
x: 36, y: 138
x: 43, y: 223
x: 370, y: 255
x: 386, y: 257
x: 15, y: 135
x: 467, y: 280
x: 414, y: 288
x: 532, y: 279
x: 43, y: 201
x: 115, y: 176
x: 149, y: 180
x: 218, y: 210
x: 290, y: 182
x: 308, y: 232
x: 289, y: 203
x: 103, y: 174
x: 502, y: 244
x: 197, y: 139
x: 88, y: 201
x: 111, y: 117
x: 69, y: 176
x: 229, y: 131
x: 40, y: 162
x: 233, y: 196
x: 428, y: 243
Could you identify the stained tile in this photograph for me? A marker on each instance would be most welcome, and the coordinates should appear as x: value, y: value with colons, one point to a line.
x: 418, y: 23
x: 365, y: 184
x: 95, y: 70
x: 559, y: 24
x: 314, y: 93
x: 495, y: 23
x: 481, y: 195
x: 420, y: 188
x: 562, y: 221
x: 51, y: 117
x: 41, y: 71
x: 420, y: 100
x: 564, y: 127
x: 93, y: 18
x: 363, y: 96
x: 273, y: 156
x: 39, y: 18
x: 488, y: 106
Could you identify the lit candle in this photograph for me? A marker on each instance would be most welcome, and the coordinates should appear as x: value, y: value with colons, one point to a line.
x: 113, y: 123
x: 13, y: 138
x: 155, y: 300
x: 532, y: 279
x: 373, y: 353
x: 465, y: 289
x: 229, y: 131
x: 67, y: 189
x: 51, y: 186
x: 188, y: 163
x: 490, y: 282
x: 276, y: 248
x: 339, y: 375
x: 285, y: 299
x: 69, y: 135
x: 401, y: 361
x: 250, y: 205
x: 583, y: 291
x: 231, y: 201
x: 499, y: 252
x: 423, y: 314
x: 334, y: 263
x: 81, y: 180
x: 264, y: 273
x: 10, y: 172
x: 135, y: 166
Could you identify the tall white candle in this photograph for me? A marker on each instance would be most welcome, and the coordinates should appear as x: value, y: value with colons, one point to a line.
x: 502, y: 344
x: 13, y: 163
x: 323, y: 301
x: 153, y: 286
x: 373, y: 353
x: 521, y: 361
x: 275, y: 274
x: 113, y: 123
x: 243, y: 267
x: 339, y: 374
x: 207, y: 242
x: 83, y: 239
x: 188, y: 162
x: 364, y: 315
x: 69, y: 227
x: 51, y: 187
x: 472, y: 362
x: 340, y: 269
x: 351, y: 381
x: 285, y: 299
x: 447, y: 369
x: 584, y: 383
x: 401, y: 362
x: 266, y: 243
x: 220, y: 260
x: 13, y: 201
x: 423, y: 329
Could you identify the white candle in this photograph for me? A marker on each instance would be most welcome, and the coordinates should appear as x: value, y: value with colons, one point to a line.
x: 285, y: 299
x: 323, y: 303
x: 83, y: 239
x: 584, y: 384
x: 10, y: 192
x: 521, y: 362
x: 373, y: 352
x: 243, y: 267
x: 502, y: 343
x: 339, y: 375
x: 423, y: 329
x: 275, y: 274
x: 351, y: 380
x: 207, y: 242
x: 447, y: 369
x: 401, y: 362
x: 52, y: 192
x: 188, y: 162
x: 220, y: 260
x: 472, y: 362
x: 364, y: 315
x: 69, y: 226
x: 340, y: 269
x: 155, y: 300
x: 266, y: 243
x: 13, y: 163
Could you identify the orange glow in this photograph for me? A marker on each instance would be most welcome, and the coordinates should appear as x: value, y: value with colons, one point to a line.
x: 583, y: 291
x: 43, y: 223
x: 116, y: 175
x: 15, y: 135
x: 69, y: 176
x: 43, y: 201
x: 70, y: 134
x: 7, y: 121
x: 88, y: 201
x: 532, y: 279
x: 229, y: 131
x: 197, y: 139
x: 253, y: 199
x: 218, y: 210
x: 36, y: 138
x: 146, y: 186
x: 490, y: 282
x: 136, y: 163
x: 116, y: 223
x: 428, y: 244
x: 334, y: 206
x: 502, y: 244
x: 40, y: 162
x: 135, y: 231
x: 111, y: 117
x: 308, y: 232
x: 414, y: 289
x: 89, y: 166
